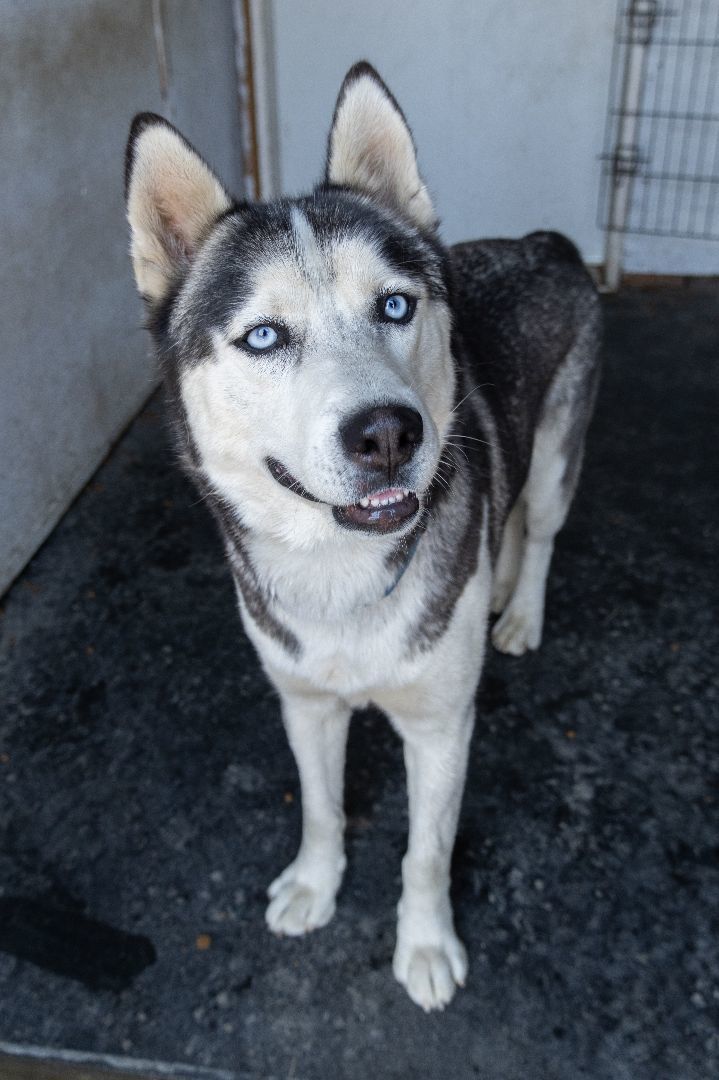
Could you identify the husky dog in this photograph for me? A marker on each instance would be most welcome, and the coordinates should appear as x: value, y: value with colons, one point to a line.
x: 389, y: 434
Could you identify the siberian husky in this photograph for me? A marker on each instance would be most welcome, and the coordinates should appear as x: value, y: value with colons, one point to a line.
x: 389, y: 434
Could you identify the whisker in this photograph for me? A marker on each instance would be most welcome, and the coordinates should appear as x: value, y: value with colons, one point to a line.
x: 446, y: 461
x: 470, y: 438
x: 441, y: 478
x: 479, y: 386
x: 462, y: 451
x: 208, y: 494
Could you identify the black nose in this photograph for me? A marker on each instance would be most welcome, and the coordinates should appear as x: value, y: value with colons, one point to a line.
x: 383, y: 438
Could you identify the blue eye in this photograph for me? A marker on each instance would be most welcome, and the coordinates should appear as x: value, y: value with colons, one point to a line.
x: 261, y: 338
x: 397, y: 308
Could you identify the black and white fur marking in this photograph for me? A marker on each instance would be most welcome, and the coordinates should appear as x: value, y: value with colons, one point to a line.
x: 379, y: 484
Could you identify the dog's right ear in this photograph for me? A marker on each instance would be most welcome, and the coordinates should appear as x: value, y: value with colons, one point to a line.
x: 172, y: 199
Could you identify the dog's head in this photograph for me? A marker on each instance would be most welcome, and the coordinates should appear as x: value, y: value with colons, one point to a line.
x: 309, y: 338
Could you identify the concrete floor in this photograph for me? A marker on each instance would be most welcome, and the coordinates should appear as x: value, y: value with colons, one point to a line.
x: 147, y: 795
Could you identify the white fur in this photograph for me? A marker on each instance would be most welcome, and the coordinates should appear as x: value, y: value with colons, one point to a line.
x: 429, y: 698
x: 510, y: 558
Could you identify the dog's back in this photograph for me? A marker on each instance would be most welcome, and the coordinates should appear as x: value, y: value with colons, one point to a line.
x: 527, y: 335
x: 522, y: 307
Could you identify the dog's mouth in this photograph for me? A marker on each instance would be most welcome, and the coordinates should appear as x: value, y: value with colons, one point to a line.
x: 382, y: 511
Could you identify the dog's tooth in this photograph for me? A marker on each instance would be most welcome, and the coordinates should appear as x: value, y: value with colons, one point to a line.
x: 364, y: 502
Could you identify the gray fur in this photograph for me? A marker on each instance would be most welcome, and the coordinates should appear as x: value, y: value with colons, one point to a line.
x: 524, y: 311
x: 257, y: 601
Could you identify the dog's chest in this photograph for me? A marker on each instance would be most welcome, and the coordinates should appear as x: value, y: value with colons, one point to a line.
x: 352, y: 660
x: 378, y: 650
x: 353, y: 654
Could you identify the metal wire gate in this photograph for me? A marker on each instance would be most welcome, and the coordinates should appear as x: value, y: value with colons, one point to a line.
x: 660, y: 174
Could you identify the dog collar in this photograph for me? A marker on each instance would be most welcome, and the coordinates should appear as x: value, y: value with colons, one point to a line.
x: 406, y: 560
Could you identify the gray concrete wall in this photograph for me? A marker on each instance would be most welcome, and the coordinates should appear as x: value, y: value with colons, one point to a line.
x: 507, y: 100
x: 508, y: 103
x: 74, y: 360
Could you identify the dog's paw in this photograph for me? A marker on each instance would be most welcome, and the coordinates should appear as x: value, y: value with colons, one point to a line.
x: 517, y: 630
x: 300, y: 902
x: 431, y: 973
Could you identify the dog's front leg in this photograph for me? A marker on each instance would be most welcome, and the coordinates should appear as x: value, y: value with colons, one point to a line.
x: 430, y: 960
x: 302, y: 898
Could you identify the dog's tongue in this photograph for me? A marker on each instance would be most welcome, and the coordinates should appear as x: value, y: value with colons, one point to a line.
x: 382, y: 511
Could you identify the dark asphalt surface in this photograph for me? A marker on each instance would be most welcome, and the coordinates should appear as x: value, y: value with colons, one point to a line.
x: 147, y: 794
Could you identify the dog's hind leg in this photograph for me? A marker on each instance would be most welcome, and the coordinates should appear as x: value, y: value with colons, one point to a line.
x: 510, y: 558
x: 520, y: 626
x: 554, y: 471
x: 302, y: 898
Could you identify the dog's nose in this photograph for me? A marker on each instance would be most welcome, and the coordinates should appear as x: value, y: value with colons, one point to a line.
x: 383, y: 438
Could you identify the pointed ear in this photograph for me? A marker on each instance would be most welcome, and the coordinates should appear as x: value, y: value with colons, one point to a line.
x: 172, y: 199
x: 370, y: 147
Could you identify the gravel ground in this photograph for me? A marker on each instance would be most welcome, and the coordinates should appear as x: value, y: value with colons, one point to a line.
x: 147, y: 794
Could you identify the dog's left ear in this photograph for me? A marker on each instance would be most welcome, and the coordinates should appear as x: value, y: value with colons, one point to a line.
x: 371, y: 148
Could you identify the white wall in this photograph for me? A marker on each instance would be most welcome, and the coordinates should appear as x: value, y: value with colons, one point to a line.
x: 506, y: 98
x: 670, y: 255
